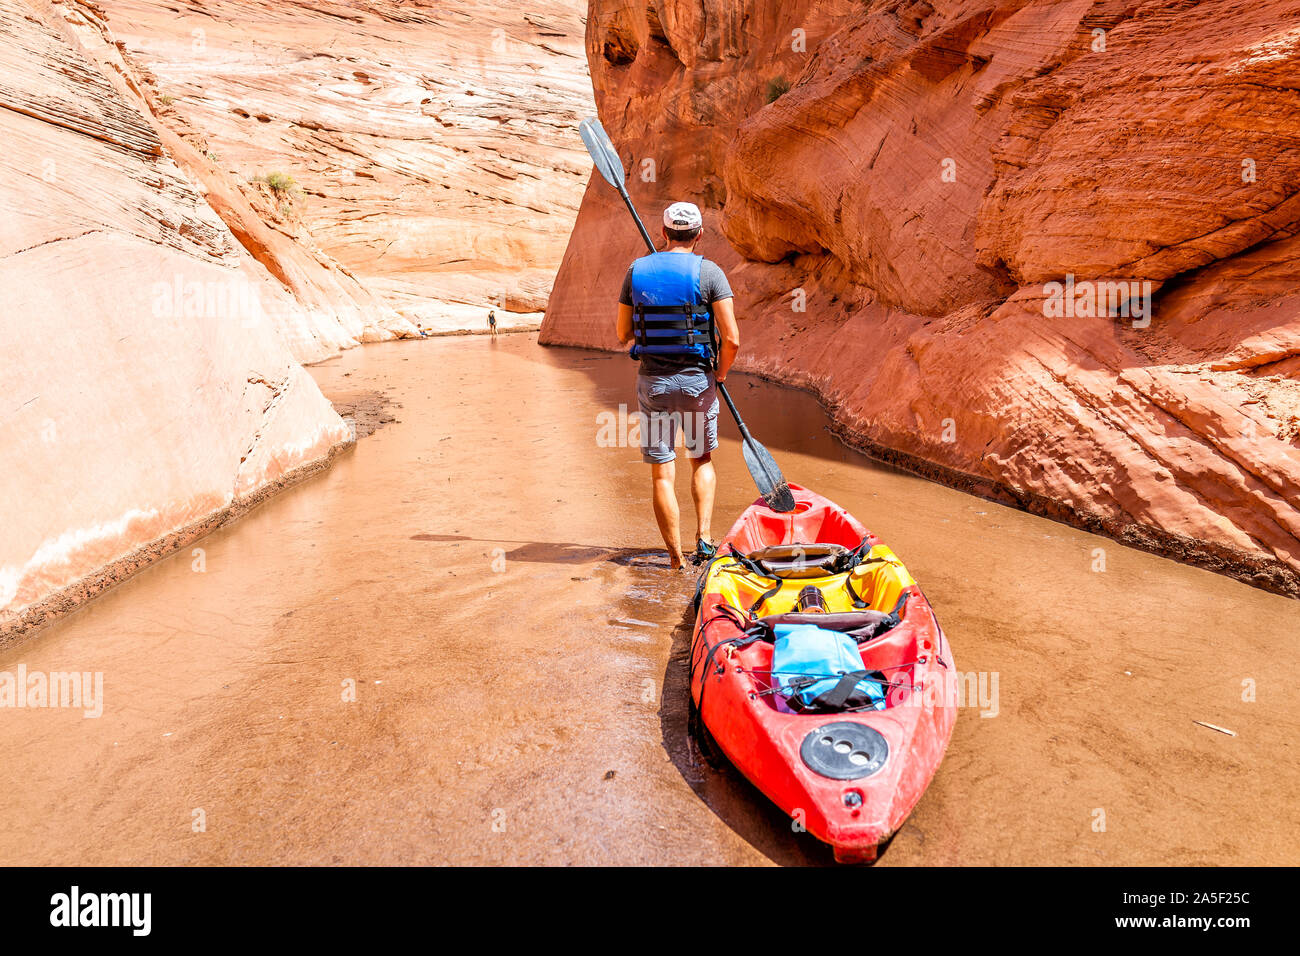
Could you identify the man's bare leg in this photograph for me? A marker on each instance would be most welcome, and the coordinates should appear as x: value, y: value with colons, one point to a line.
x: 704, y: 482
x: 665, y: 499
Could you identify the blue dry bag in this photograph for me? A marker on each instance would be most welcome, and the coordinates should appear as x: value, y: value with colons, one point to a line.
x: 814, y: 670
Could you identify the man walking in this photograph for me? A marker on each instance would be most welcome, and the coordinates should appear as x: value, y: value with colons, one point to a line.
x: 676, y: 309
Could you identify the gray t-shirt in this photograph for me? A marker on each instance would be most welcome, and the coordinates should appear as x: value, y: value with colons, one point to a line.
x: 713, y: 286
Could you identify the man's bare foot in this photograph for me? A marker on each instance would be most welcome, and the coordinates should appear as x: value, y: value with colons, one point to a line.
x: 676, y: 561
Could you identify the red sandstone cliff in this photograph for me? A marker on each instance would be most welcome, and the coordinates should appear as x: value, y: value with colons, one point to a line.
x: 932, y: 170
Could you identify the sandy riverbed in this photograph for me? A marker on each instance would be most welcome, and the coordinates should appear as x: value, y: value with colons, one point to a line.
x: 473, y: 574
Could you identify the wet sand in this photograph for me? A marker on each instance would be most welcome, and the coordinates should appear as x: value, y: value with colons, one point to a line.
x: 477, y: 567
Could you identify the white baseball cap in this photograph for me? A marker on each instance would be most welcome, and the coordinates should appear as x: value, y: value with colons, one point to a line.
x: 683, y: 215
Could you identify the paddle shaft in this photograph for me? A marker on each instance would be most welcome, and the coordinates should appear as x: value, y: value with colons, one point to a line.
x: 650, y: 243
x: 740, y: 422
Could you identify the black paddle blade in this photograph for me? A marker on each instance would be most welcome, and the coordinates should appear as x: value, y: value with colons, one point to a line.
x: 767, y: 476
x: 603, y: 153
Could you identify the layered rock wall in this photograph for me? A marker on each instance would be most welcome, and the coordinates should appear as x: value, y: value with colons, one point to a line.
x: 426, y: 148
x: 919, y: 202
x: 197, y: 198
x: 147, y: 387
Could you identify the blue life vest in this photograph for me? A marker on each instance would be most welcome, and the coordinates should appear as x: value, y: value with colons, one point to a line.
x: 669, y: 314
x: 820, y: 670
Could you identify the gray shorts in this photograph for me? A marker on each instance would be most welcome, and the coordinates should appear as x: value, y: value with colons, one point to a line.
x: 685, y: 402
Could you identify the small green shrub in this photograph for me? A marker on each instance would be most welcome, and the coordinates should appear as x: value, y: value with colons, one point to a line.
x: 777, y: 87
x: 282, y: 184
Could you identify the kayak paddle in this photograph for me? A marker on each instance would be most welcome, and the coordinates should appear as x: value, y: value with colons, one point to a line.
x: 772, y: 485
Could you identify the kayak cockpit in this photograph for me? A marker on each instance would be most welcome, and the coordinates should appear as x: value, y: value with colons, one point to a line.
x: 868, y: 603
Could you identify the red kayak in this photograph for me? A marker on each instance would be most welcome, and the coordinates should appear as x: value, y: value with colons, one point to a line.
x: 820, y: 671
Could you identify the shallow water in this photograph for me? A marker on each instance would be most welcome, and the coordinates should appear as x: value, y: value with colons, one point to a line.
x: 482, y: 579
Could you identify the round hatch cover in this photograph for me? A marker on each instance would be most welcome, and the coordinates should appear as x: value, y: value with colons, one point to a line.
x: 844, y: 750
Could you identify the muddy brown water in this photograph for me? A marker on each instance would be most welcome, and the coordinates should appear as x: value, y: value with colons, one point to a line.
x: 458, y: 646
